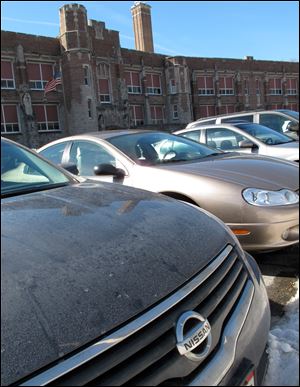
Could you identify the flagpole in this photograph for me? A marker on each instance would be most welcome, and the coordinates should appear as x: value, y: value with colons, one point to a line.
x: 64, y: 97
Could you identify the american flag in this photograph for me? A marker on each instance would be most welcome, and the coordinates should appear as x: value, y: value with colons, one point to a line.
x: 51, y: 85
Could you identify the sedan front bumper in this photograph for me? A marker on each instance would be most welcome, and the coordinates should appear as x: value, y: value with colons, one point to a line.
x: 269, y: 228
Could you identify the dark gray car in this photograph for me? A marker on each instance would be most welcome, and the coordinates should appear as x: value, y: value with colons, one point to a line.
x: 102, y: 285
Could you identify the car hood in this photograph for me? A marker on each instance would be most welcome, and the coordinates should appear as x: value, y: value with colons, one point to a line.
x: 244, y: 170
x: 78, y: 261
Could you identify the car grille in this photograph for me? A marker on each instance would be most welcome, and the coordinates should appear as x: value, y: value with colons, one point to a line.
x: 144, y: 351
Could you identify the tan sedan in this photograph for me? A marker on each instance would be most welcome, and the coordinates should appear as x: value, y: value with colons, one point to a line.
x: 256, y: 196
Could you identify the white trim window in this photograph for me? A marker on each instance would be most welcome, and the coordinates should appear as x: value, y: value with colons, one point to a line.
x: 207, y: 111
x: 153, y: 84
x: 104, y: 89
x: 39, y: 74
x: 133, y: 82
x: 293, y: 106
x: 205, y: 85
x: 173, y: 86
x: 227, y: 109
x: 291, y: 86
x: 9, y: 119
x: 258, y: 87
x: 175, y: 112
x: 7, y: 75
x: 137, y: 115
x: 157, y: 114
x: 46, y: 117
x: 226, y: 86
x: 275, y: 86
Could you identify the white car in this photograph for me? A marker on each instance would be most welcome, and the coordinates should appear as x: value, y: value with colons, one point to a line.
x: 282, y: 120
x: 244, y: 137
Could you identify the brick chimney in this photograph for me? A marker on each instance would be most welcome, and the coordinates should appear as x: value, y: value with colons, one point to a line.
x: 141, y: 17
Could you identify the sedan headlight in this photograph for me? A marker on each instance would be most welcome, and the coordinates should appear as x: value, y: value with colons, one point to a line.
x: 260, y: 197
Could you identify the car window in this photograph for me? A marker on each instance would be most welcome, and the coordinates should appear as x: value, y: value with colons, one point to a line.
x: 23, y: 171
x: 224, y: 139
x: 291, y: 113
x: 54, y: 153
x: 244, y: 118
x: 158, y: 148
x: 194, y: 135
x: 264, y: 134
x: 274, y: 121
x: 86, y: 155
x: 207, y: 122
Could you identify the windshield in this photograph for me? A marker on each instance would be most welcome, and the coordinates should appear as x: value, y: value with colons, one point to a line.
x: 159, y: 148
x: 23, y: 171
x: 291, y: 113
x: 264, y: 134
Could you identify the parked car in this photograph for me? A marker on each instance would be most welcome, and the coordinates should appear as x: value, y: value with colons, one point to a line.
x: 256, y: 196
x: 102, y: 285
x: 282, y: 120
x: 244, y: 137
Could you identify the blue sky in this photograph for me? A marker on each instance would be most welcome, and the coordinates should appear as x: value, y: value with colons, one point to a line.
x: 221, y: 29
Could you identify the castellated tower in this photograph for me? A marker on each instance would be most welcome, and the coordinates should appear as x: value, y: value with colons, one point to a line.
x: 76, y: 66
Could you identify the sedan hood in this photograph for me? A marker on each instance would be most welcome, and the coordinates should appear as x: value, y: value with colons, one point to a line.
x: 79, y: 261
x: 244, y: 170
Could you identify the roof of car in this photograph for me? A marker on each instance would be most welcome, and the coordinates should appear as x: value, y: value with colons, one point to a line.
x: 114, y: 133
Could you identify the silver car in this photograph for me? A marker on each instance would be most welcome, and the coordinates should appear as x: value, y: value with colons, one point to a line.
x: 244, y: 137
x: 282, y: 120
x: 256, y: 196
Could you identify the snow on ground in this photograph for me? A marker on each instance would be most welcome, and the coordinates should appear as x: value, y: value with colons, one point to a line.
x: 284, y: 347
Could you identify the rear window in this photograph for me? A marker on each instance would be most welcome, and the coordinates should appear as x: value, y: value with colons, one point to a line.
x: 242, y: 118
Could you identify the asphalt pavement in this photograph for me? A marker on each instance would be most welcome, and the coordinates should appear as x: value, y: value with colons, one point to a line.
x: 280, y: 270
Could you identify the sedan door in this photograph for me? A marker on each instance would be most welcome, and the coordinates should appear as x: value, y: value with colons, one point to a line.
x: 87, y: 155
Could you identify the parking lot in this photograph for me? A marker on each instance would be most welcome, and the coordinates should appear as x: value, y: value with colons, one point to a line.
x: 280, y: 270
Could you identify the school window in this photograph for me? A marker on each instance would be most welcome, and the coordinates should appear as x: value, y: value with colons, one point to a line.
x: 104, y: 93
x: 173, y: 86
x: 7, y: 75
x: 39, y: 74
x: 86, y: 74
x: 291, y: 87
x: 175, y: 112
x: 205, y: 85
x: 275, y: 86
x: 46, y: 117
x: 257, y: 84
x: 133, y: 82
x: 137, y: 115
x: 207, y: 111
x: 89, y: 103
x: 246, y: 87
x: 157, y: 116
x: 103, y: 70
x: 226, y: 109
x: 293, y: 106
x: 226, y: 86
x: 9, y: 119
x: 153, y: 84
x: 276, y: 106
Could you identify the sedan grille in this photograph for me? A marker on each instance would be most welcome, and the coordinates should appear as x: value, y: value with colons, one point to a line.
x: 144, y: 351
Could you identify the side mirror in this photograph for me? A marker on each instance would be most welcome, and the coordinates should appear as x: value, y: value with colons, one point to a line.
x: 247, y: 144
x: 293, y: 126
x: 70, y: 167
x: 108, y: 169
